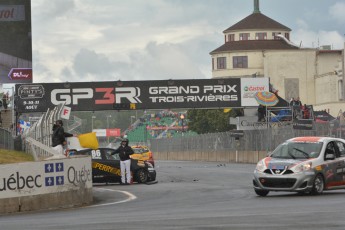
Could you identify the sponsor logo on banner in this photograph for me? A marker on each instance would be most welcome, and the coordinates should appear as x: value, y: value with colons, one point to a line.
x: 30, y: 91
x: 250, y: 86
x: 12, y: 13
x: 20, y: 74
x: 113, y: 132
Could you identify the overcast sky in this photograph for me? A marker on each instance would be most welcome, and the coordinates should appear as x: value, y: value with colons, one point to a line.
x: 108, y: 40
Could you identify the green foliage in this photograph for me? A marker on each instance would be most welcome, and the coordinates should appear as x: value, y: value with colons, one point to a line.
x: 209, y: 120
x: 11, y: 156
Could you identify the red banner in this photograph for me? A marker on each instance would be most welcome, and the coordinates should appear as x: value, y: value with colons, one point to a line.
x: 113, y: 132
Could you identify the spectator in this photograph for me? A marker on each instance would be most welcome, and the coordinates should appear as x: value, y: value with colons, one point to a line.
x: 295, y: 102
x: 261, y: 113
x: 5, y: 100
x: 59, y: 137
x: 306, y: 112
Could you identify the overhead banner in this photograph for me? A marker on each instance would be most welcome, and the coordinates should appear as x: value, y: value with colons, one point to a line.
x: 136, y: 95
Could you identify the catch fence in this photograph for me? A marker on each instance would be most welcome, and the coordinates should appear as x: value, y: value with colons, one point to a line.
x: 6, y: 139
x: 248, y: 140
x: 37, y: 139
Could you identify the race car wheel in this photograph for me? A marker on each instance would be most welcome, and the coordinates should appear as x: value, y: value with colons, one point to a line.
x: 318, y: 185
x: 261, y: 192
x: 141, y: 176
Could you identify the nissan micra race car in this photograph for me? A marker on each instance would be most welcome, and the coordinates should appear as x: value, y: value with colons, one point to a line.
x: 304, y: 165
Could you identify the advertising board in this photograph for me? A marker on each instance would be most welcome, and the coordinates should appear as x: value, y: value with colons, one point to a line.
x: 34, y: 178
x: 139, y: 95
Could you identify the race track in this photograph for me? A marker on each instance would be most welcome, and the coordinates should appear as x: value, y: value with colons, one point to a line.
x: 192, y: 195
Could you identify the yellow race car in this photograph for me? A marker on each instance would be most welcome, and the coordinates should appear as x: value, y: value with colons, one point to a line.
x: 143, y: 153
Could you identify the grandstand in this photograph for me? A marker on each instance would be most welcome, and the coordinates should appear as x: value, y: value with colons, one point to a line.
x: 164, y: 124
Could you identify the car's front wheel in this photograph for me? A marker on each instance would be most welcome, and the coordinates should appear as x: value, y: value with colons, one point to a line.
x: 261, y: 192
x: 141, y: 176
x: 318, y: 185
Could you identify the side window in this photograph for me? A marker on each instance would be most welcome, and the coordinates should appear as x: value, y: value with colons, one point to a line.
x: 114, y: 157
x: 330, y: 149
x: 341, y: 147
x: 107, y: 154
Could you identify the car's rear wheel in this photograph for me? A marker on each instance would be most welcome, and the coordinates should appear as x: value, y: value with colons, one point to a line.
x: 318, y: 185
x: 141, y: 176
x: 261, y: 192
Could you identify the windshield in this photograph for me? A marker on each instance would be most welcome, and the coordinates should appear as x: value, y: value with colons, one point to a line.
x: 297, y: 150
x: 140, y: 150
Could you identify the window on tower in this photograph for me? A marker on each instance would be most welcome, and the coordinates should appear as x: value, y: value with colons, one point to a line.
x: 274, y: 35
x: 221, y: 63
x: 261, y: 36
x: 240, y: 62
x: 244, y: 36
x: 231, y: 37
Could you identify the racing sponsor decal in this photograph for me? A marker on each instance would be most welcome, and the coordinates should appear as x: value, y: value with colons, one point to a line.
x: 106, y: 168
x: 306, y: 139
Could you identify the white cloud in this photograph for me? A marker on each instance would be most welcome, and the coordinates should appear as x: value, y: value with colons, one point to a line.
x: 80, y: 40
x: 312, y: 39
x: 337, y: 11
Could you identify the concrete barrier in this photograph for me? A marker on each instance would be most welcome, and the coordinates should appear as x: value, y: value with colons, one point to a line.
x: 59, y: 183
x: 251, y: 157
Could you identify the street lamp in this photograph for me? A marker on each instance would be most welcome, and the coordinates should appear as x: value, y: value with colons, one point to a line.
x: 132, y: 119
x: 93, y: 117
x: 108, y: 116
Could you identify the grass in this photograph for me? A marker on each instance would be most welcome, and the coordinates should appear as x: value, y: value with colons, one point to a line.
x: 11, y: 156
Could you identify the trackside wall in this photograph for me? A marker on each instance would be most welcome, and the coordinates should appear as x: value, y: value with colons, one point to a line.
x: 51, y: 184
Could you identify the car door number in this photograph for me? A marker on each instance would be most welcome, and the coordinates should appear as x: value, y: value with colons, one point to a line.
x: 96, y: 154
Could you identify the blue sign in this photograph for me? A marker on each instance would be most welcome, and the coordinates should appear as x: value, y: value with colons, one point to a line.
x: 49, y: 168
x: 59, y: 167
x: 59, y: 180
x: 49, y: 181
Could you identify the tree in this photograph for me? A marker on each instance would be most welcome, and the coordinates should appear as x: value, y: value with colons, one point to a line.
x: 210, y: 120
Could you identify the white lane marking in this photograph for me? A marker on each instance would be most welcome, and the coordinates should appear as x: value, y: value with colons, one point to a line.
x: 130, y: 197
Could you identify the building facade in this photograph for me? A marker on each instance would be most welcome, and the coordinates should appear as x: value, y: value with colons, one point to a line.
x: 258, y: 46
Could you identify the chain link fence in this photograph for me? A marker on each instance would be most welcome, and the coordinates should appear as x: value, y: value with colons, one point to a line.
x: 6, y: 139
x: 248, y: 140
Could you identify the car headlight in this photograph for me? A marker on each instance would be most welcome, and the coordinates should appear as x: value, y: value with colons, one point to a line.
x: 303, y: 167
x: 149, y: 165
x: 260, y: 166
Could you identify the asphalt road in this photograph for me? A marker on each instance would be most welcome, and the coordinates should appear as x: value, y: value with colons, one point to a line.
x: 192, y: 195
